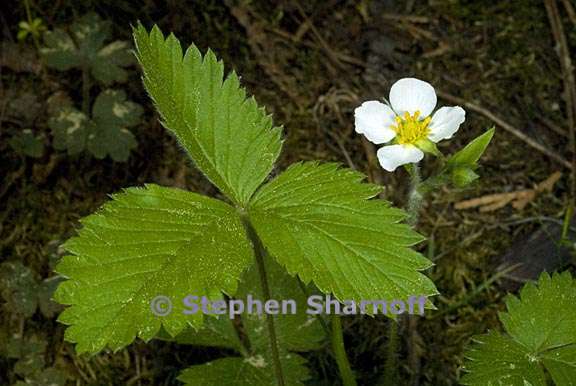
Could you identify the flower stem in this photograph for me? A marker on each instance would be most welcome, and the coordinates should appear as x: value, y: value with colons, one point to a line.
x: 259, y: 253
x: 415, y: 197
x: 415, y: 200
x: 390, y: 365
x: 340, y: 352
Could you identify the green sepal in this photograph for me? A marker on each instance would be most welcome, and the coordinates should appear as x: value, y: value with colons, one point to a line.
x: 427, y: 146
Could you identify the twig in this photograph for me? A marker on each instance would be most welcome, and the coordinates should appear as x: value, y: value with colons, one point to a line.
x: 554, y: 127
x: 568, y: 77
x: 506, y: 126
x: 570, y: 11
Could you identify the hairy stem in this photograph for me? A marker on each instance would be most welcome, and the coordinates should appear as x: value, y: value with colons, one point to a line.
x: 392, y: 346
x: 415, y: 201
x: 415, y: 197
x: 340, y: 352
x: 259, y: 253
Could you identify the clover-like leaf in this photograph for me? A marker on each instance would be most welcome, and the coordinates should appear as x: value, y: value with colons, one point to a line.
x: 23, y: 294
x: 112, y: 115
x: 318, y: 221
x: 541, y: 334
x: 70, y: 129
x: 85, y: 47
x: 147, y: 242
x: 19, y: 288
x: 60, y: 52
x: 228, y: 136
x: 28, y: 144
x: 108, y: 66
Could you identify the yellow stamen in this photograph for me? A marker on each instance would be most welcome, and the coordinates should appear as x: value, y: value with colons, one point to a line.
x: 409, y: 129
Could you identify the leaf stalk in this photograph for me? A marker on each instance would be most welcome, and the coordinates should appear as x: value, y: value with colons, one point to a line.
x: 259, y: 253
x: 340, y: 352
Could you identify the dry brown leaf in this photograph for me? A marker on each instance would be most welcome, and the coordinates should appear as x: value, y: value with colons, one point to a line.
x: 549, y: 182
x: 518, y: 199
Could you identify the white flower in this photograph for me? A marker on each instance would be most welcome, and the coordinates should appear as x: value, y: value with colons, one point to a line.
x: 407, y: 122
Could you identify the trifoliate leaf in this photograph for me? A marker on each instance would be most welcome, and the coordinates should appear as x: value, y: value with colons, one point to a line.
x: 318, y: 222
x: 472, y: 152
x: 228, y: 136
x: 84, y: 46
x: 148, y: 242
x: 108, y: 64
x: 70, y: 129
x: 60, y: 52
x: 27, y: 144
x: 541, y: 327
x: 112, y: 114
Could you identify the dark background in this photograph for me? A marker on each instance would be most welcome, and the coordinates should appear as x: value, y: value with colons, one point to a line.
x: 310, y: 63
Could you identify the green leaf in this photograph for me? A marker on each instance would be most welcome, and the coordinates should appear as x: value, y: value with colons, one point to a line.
x: 148, y: 242
x: 108, y: 64
x: 217, y: 331
x: 318, y: 222
x: 106, y: 134
x: 19, y: 288
x: 463, y: 176
x: 561, y: 364
x: 112, y: 114
x: 499, y: 360
x: 251, y: 371
x: 60, y: 52
x: 297, y: 332
x: 46, y: 288
x: 48, y: 377
x: 85, y: 47
x: 90, y: 32
x: 27, y: 144
x: 22, y: 33
x: 472, y: 152
x: 541, y: 328
x: 228, y: 136
x: 70, y: 130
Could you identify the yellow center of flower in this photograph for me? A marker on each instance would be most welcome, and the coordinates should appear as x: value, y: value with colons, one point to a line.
x: 409, y: 129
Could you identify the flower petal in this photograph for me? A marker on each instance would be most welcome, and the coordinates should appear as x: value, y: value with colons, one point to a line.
x: 445, y: 122
x: 410, y: 94
x: 373, y: 119
x: 392, y: 156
